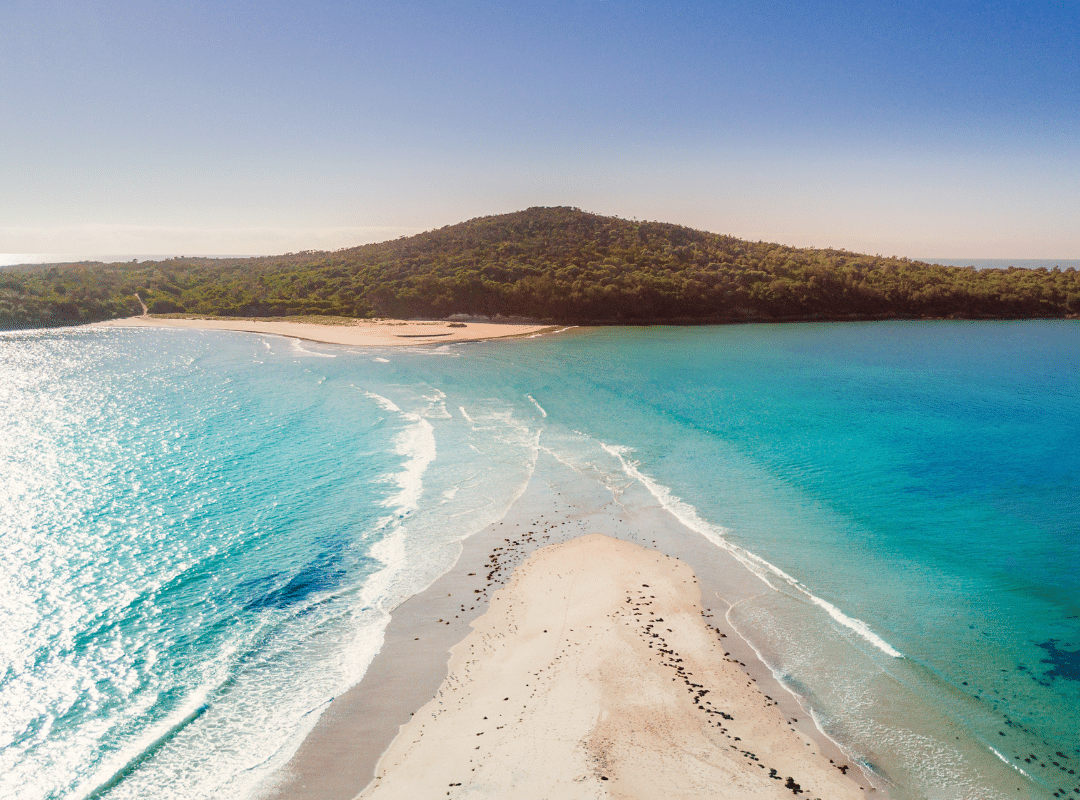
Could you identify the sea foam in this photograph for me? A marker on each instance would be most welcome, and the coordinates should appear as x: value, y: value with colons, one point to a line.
x: 688, y: 515
x: 539, y: 407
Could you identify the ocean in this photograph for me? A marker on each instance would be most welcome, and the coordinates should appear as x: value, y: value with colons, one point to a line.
x: 202, y: 533
x: 1005, y: 263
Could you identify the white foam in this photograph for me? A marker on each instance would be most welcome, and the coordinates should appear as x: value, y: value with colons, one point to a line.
x: 112, y: 769
x: 384, y: 403
x: 855, y: 624
x: 1018, y: 769
x: 537, y: 404
x: 504, y: 427
x: 390, y: 550
x: 381, y: 360
x: 465, y: 414
x: 688, y: 515
x: 298, y: 347
x: 379, y: 591
x: 436, y: 406
x: 417, y: 444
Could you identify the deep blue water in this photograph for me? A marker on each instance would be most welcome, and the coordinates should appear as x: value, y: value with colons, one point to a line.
x: 200, y: 532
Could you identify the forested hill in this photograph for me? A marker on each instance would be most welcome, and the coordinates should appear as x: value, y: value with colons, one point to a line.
x: 549, y: 263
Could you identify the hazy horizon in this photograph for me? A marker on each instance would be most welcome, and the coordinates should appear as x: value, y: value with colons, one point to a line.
x: 28, y: 259
x: 191, y: 127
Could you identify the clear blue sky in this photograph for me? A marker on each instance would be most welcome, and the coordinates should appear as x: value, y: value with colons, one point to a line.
x: 914, y: 128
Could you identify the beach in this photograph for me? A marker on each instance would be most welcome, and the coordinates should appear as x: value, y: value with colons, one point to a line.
x: 595, y: 674
x: 358, y: 333
x: 566, y: 656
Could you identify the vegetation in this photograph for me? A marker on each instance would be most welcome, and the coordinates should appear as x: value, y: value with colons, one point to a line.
x: 549, y: 263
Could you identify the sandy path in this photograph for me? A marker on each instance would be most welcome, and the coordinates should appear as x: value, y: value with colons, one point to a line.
x: 595, y: 674
x: 362, y: 333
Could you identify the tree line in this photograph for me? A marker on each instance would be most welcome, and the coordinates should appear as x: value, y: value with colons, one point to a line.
x: 558, y: 264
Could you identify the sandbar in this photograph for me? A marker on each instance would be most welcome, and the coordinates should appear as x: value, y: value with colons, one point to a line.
x: 360, y: 332
x: 392, y: 725
x: 594, y: 673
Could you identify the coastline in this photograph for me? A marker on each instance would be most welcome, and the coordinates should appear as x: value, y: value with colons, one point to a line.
x: 365, y: 719
x: 804, y: 642
x: 339, y: 756
x: 357, y: 333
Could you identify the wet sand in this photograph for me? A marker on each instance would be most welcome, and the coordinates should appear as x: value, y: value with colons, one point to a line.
x: 338, y: 758
x: 361, y: 332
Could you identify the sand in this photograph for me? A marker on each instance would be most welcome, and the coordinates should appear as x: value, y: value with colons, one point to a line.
x: 595, y: 673
x: 362, y: 333
x: 336, y: 758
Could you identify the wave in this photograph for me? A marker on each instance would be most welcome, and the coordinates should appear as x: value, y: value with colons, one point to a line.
x: 151, y: 744
x: 379, y: 591
x: 298, y: 347
x: 537, y: 404
x: 994, y: 750
x: 442, y: 350
x: 552, y: 333
x: 688, y: 515
x: 417, y: 444
x: 383, y: 403
x: 436, y: 405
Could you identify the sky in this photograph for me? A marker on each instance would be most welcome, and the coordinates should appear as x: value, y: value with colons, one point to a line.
x: 919, y: 129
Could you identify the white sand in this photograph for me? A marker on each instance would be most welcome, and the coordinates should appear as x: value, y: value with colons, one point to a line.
x: 364, y: 333
x: 595, y: 674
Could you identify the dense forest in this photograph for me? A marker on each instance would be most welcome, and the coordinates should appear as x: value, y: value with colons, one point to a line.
x: 546, y: 263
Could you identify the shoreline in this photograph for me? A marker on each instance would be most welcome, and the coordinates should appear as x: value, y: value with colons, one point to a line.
x: 357, y: 333
x: 337, y: 759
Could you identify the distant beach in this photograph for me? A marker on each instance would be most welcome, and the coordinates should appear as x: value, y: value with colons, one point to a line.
x: 358, y: 333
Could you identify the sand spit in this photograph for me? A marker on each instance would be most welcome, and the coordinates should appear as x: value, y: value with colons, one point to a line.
x: 361, y: 333
x: 595, y: 673
x: 337, y: 758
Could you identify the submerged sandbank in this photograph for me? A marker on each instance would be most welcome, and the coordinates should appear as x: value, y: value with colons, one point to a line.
x: 594, y: 673
x: 361, y: 332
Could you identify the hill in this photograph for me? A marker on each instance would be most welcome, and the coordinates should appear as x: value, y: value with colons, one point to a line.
x: 549, y: 263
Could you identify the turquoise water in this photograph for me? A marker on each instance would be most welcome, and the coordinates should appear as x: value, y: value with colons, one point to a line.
x: 201, y: 532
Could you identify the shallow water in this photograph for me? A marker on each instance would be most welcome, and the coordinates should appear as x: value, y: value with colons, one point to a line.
x: 201, y: 533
